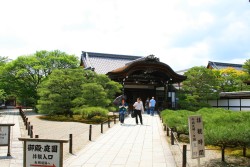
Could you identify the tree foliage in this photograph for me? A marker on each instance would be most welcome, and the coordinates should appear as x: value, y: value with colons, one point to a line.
x: 246, y: 66
x: 231, y: 79
x: 3, y: 60
x: 2, y: 94
x: 201, y: 84
x: 21, y: 77
x: 72, y: 90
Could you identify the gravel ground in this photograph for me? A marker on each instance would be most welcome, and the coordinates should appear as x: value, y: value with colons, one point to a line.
x: 58, y: 130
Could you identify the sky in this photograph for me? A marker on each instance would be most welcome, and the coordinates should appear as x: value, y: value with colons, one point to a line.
x: 181, y: 33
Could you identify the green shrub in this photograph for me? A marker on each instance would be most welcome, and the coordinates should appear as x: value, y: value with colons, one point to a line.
x: 90, y: 112
x: 177, y: 119
x: 221, y: 127
x: 98, y: 119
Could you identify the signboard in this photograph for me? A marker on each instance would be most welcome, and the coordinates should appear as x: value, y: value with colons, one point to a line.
x: 43, y: 152
x: 4, y: 135
x: 196, y: 137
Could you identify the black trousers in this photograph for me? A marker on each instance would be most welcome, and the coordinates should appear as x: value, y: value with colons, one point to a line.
x: 138, y: 113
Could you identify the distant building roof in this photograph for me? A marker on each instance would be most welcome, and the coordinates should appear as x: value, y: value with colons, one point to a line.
x: 102, y: 63
x: 240, y: 94
x: 220, y: 65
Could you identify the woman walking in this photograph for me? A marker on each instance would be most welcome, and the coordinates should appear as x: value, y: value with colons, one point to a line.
x: 122, y: 110
x: 138, y: 105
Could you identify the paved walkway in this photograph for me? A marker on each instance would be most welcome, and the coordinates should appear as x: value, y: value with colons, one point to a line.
x: 128, y: 145
x: 123, y: 145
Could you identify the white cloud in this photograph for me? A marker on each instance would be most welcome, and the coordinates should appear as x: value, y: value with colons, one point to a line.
x: 182, y: 33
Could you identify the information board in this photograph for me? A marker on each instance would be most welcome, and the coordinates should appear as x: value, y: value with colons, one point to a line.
x: 196, y: 137
x: 4, y: 135
x: 42, y: 154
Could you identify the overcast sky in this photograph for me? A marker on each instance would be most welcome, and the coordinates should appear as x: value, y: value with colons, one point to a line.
x: 182, y: 33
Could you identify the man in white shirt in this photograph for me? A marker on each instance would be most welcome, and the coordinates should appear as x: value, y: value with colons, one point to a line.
x: 138, y: 105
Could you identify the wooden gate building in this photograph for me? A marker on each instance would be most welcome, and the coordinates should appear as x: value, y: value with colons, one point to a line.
x: 140, y: 76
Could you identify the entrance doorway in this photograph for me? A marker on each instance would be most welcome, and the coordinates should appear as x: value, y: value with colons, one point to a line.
x: 133, y: 94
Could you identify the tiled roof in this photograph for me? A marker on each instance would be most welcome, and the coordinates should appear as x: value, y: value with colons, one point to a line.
x: 219, y: 65
x: 235, y: 94
x: 102, y: 63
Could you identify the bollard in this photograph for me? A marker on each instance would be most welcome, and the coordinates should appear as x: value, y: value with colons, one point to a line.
x: 28, y: 128
x: 24, y: 117
x: 101, y: 127
x: 165, y: 127
x: 172, y: 136
x: 90, y: 132
x: 184, y: 156
x: 70, y: 143
x: 223, y: 153
x: 36, y: 136
x: 244, y: 151
x: 31, y: 131
x: 167, y: 131
x: 108, y: 122
x: 26, y: 123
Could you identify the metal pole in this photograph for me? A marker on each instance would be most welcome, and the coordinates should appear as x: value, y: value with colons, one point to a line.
x: 90, y: 132
x: 172, y: 136
x: 31, y: 131
x: 101, y: 127
x: 184, y: 156
x: 26, y: 123
x: 28, y: 128
x: 167, y: 131
x: 8, y: 153
x: 108, y: 122
x: 70, y: 143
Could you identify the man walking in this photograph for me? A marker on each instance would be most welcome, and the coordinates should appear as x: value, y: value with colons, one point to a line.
x: 152, y: 103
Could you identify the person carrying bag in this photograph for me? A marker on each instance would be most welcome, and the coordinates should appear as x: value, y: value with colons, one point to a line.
x: 138, y: 110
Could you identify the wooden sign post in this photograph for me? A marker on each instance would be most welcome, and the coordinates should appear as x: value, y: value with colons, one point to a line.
x: 42, y: 152
x: 196, y: 137
x: 5, y: 136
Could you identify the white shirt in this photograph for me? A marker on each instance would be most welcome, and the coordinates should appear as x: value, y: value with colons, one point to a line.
x: 139, y: 106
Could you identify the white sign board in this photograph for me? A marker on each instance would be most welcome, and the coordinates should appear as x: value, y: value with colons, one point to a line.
x: 196, y: 137
x: 4, y: 135
x: 42, y: 154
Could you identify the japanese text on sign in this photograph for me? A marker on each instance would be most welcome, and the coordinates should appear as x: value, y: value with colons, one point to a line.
x: 196, y: 137
x: 42, y: 153
x: 4, y: 135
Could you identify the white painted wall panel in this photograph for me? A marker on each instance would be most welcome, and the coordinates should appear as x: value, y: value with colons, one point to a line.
x: 234, y: 102
x: 223, y: 102
x: 245, y: 102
